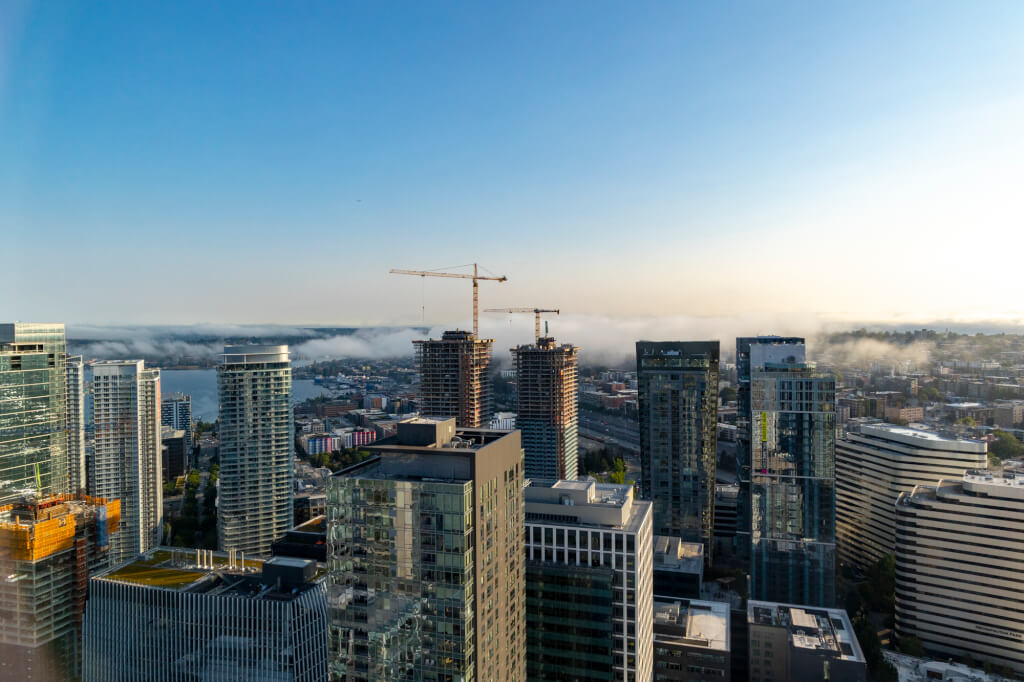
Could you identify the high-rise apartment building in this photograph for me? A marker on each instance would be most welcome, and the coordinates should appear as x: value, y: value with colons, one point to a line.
x: 959, y: 552
x: 783, y: 347
x: 453, y: 378
x: 189, y: 614
x: 176, y: 412
x: 33, y: 385
x: 257, y: 434
x: 546, y: 383
x: 589, y: 582
x: 425, y: 557
x: 877, y: 463
x: 792, y: 486
x: 126, y: 460
x: 678, y: 404
x: 75, y: 422
x: 796, y: 642
x: 48, y: 548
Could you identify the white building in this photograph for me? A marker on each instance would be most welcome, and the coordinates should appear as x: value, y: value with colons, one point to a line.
x: 583, y: 532
x: 876, y: 464
x: 126, y: 460
x: 959, y: 553
x: 912, y: 669
x: 257, y: 474
x: 74, y: 410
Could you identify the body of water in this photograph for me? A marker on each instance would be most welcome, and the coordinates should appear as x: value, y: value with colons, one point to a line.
x: 201, y: 384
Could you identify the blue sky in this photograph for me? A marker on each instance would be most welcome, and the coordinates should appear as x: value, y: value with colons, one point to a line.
x: 268, y: 162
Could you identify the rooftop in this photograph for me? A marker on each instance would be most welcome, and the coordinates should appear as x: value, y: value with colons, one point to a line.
x: 826, y: 630
x: 692, y: 623
x: 209, y: 572
x: 584, y: 503
x: 671, y: 553
x: 922, y: 438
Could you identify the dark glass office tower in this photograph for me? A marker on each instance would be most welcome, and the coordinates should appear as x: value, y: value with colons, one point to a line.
x: 792, y: 487
x: 782, y: 346
x: 678, y: 403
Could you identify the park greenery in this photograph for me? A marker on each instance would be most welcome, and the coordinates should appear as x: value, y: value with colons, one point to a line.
x: 1005, y: 446
x: 603, y: 465
x: 335, y: 461
x: 190, y: 529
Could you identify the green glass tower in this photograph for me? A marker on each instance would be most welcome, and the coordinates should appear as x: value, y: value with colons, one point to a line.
x: 33, y: 441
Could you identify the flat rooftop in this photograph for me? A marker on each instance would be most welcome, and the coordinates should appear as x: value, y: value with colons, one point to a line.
x: 671, y: 553
x: 811, y: 628
x: 922, y: 438
x: 181, y: 570
x: 584, y: 503
x: 692, y: 623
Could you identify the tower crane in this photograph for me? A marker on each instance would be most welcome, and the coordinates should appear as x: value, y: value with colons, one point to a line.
x: 536, y: 316
x: 476, y: 277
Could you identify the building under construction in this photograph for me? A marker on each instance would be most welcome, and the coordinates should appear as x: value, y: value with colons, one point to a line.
x: 453, y: 378
x: 48, y: 549
x: 546, y: 378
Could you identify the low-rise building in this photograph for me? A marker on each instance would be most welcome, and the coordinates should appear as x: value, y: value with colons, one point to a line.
x: 913, y: 669
x: 805, y: 643
x: 691, y: 640
x: 182, y: 614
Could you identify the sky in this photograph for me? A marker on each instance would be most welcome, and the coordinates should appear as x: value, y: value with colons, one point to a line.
x: 266, y: 162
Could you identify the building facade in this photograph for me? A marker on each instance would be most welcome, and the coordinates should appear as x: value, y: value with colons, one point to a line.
x: 126, y: 458
x: 589, y: 582
x: 453, y: 378
x: 873, y: 466
x: 546, y: 384
x: 425, y: 558
x: 959, y: 552
x: 182, y: 614
x: 792, y: 487
x: 48, y: 548
x: 33, y: 386
x: 782, y: 347
x: 176, y: 413
x: 691, y: 640
x: 795, y: 642
x: 257, y: 439
x: 75, y: 422
x: 678, y: 405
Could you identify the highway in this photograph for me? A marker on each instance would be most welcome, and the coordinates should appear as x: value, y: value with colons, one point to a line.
x: 610, y: 429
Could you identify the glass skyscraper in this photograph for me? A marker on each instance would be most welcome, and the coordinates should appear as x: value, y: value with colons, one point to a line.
x: 33, y: 441
x: 678, y: 403
x: 783, y: 346
x: 792, y: 487
x: 257, y: 434
x: 425, y: 558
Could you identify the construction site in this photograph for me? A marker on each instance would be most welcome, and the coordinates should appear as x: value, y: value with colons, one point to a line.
x: 546, y: 379
x: 48, y: 548
x: 453, y: 378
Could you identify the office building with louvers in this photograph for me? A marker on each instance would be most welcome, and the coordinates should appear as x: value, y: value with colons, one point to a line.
x: 425, y: 557
x: 546, y: 383
x: 793, y: 498
x: 453, y: 378
x: 126, y: 461
x: 959, y: 553
x: 589, y: 582
x: 49, y: 547
x: 678, y: 404
x: 189, y: 614
x: 876, y: 463
x: 33, y: 386
x: 257, y: 439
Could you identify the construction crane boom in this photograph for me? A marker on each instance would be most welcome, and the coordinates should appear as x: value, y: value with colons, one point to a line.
x: 536, y: 316
x: 476, y: 277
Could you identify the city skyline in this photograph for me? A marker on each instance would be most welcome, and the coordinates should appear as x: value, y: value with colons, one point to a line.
x: 704, y: 129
